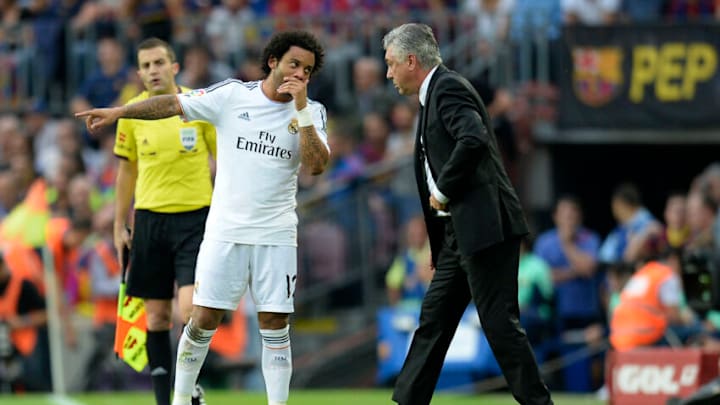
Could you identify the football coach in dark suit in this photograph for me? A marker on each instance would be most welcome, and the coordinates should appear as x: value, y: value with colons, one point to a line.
x: 474, y: 221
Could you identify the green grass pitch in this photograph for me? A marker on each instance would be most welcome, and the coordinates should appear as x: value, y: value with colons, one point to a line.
x: 315, y: 397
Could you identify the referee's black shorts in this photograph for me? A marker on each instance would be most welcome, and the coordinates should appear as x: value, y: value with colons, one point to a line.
x: 164, y: 251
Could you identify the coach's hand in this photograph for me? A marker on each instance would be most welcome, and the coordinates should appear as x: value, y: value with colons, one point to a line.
x: 99, y: 117
x: 437, y: 204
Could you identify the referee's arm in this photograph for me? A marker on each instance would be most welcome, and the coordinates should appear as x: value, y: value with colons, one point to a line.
x: 124, y: 191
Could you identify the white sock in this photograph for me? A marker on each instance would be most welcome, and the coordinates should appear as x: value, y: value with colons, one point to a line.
x: 276, y: 364
x: 192, y: 350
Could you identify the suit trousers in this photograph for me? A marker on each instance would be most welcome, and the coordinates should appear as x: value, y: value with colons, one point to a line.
x: 489, y: 278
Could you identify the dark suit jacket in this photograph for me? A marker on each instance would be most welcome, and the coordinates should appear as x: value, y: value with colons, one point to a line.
x: 465, y: 162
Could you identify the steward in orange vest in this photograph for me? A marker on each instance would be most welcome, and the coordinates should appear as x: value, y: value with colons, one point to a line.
x: 24, y: 261
x: 22, y: 311
x: 231, y: 335
x: 104, y: 272
x: 226, y: 357
x: 649, y: 304
x: 64, y: 238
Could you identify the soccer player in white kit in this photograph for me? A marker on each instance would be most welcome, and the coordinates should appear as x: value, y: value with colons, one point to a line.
x: 265, y: 131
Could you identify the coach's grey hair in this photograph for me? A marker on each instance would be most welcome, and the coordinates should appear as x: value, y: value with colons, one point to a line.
x: 712, y: 170
x: 416, y: 39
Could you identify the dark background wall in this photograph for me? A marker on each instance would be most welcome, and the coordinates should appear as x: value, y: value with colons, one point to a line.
x: 592, y: 171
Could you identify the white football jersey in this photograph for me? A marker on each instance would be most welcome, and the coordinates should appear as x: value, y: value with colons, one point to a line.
x: 258, y: 156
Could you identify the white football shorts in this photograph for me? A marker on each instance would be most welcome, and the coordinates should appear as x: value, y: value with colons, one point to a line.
x: 225, y: 270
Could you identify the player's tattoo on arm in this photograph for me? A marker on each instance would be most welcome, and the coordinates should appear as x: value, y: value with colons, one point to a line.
x: 313, y: 153
x: 157, y: 107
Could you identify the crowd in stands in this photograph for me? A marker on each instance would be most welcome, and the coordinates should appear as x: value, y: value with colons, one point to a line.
x: 57, y: 180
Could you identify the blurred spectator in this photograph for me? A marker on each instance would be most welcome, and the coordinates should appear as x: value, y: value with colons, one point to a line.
x: 22, y: 167
x: 102, y: 87
x: 251, y: 69
x: 42, y: 130
x: 100, y: 262
x: 65, y: 237
x: 376, y: 133
x: 16, y: 38
x: 625, y: 241
x: 499, y: 102
x: 131, y: 89
x: 329, y: 240
x: 150, y: 18
x: 20, y: 145
x: 401, y: 145
x: 676, y: 227
x: 230, y: 30
x: 690, y: 10
x: 535, y: 294
x: 22, y: 313
x: 346, y: 164
x: 403, y: 122
x: 9, y: 193
x: 701, y: 212
x: 410, y: 274
x: 323, y: 253
x: 58, y: 193
x: 571, y: 251
x: 492, y: 21
x: 11, y: 16
x: 49, y: 40
x: 9, y: 132
x: 674, y: 234
x: 710, y: 182
x: 590, y: 12
x: 200, y: 70
x: 535, y: 19
x: 69, y: 143
x: 104, y: 173
x: 98, y: 17
x: 25, y: 224
x: 82, y: 197
x: 369, y: 91
x: 642, y: 10
x: 284, y: 8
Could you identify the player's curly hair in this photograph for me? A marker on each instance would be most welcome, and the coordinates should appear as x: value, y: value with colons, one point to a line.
x: 280, y: 43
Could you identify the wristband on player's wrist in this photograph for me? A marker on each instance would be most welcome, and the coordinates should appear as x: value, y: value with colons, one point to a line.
x: 304, y: 117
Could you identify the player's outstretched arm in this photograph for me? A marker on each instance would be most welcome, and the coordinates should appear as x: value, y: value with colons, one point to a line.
x: 156, y: 107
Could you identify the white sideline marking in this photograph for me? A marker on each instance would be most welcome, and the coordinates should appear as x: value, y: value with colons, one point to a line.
x: 62, y: 400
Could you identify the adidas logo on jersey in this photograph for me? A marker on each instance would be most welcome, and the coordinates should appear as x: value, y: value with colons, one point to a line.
x: 244, y: 116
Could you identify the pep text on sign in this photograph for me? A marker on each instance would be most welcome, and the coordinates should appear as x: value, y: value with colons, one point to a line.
x: 671, y: 71
x: 639, y: 76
